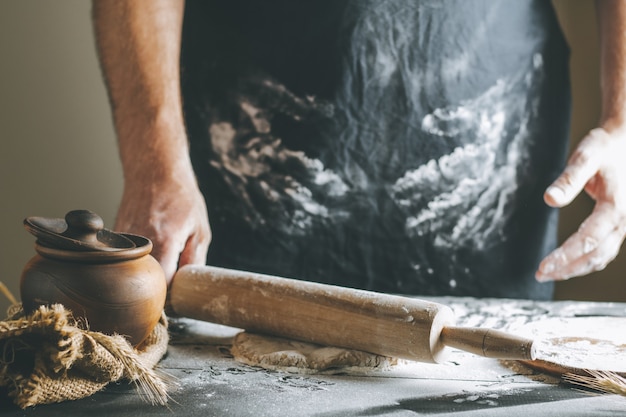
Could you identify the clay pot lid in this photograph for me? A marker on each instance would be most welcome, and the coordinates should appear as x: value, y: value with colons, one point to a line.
x: 80, y: 231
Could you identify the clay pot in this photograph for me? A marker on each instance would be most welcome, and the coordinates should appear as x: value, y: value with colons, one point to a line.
x: 108, y: 279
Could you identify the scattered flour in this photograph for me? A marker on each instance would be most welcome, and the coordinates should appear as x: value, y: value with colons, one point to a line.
x: 583, y: 353
x: 575, y: 343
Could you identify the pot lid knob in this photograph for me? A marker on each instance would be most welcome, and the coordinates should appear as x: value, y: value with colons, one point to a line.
x: 81, y: 230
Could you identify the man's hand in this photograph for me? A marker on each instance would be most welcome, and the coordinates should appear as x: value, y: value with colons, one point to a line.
x: 171, y: 212
x: 597, y: 166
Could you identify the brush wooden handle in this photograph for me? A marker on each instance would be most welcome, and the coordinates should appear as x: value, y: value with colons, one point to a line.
x: 385, y: 324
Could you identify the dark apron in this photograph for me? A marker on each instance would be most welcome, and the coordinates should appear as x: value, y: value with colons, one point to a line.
x: 397, y: 146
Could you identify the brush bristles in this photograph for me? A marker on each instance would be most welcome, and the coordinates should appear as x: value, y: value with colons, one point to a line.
x: 602, y: 381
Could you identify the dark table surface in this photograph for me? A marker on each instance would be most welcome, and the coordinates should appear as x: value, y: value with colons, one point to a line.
x: 211, y: 383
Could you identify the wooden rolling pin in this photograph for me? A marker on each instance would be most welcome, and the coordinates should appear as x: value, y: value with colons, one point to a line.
x: 389, y: 325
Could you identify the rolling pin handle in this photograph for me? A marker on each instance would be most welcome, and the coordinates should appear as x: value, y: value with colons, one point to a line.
x: 489, y: 343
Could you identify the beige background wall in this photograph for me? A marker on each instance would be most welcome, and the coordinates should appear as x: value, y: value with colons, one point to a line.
x: 57, y: 148
x: 58, y: 152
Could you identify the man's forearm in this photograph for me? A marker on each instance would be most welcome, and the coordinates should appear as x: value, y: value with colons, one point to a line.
x: 612, y: 27
x: 138, y: 44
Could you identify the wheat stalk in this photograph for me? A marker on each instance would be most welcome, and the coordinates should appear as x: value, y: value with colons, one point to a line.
x: 5, y: 291
x: 149, y: 382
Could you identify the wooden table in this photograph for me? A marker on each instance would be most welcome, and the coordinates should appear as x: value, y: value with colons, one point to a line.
x: 211, y: 383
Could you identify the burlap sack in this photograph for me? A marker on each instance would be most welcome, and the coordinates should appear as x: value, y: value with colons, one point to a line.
x: 48, y: 357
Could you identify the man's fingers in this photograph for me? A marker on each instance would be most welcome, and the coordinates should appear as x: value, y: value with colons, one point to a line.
x: 194, y: 252
x: 603, y: 220
x: 596, y: 243
x: 597, y: 259
x: 582, y: 166
x: 168, y: 258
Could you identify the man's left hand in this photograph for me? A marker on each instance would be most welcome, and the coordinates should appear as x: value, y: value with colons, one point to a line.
x: 598, y: 165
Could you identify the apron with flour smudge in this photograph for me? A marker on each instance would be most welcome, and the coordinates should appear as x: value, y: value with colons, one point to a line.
x: 398, y: 146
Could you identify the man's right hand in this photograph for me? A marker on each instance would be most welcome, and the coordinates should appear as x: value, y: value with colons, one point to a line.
x: 171, y: 212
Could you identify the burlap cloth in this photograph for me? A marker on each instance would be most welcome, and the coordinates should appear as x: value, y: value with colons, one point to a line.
x: 48, y: 357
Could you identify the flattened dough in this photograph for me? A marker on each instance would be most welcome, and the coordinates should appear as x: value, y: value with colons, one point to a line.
x: 287, y: 355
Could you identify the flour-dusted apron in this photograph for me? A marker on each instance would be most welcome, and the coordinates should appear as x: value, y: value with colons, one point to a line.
x: 398, y: 146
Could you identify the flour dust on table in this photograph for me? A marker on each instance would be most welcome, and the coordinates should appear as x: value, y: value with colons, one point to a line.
x: 578, y: 344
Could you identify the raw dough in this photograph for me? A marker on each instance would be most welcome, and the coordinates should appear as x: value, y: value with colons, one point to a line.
x: 287, y: 355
